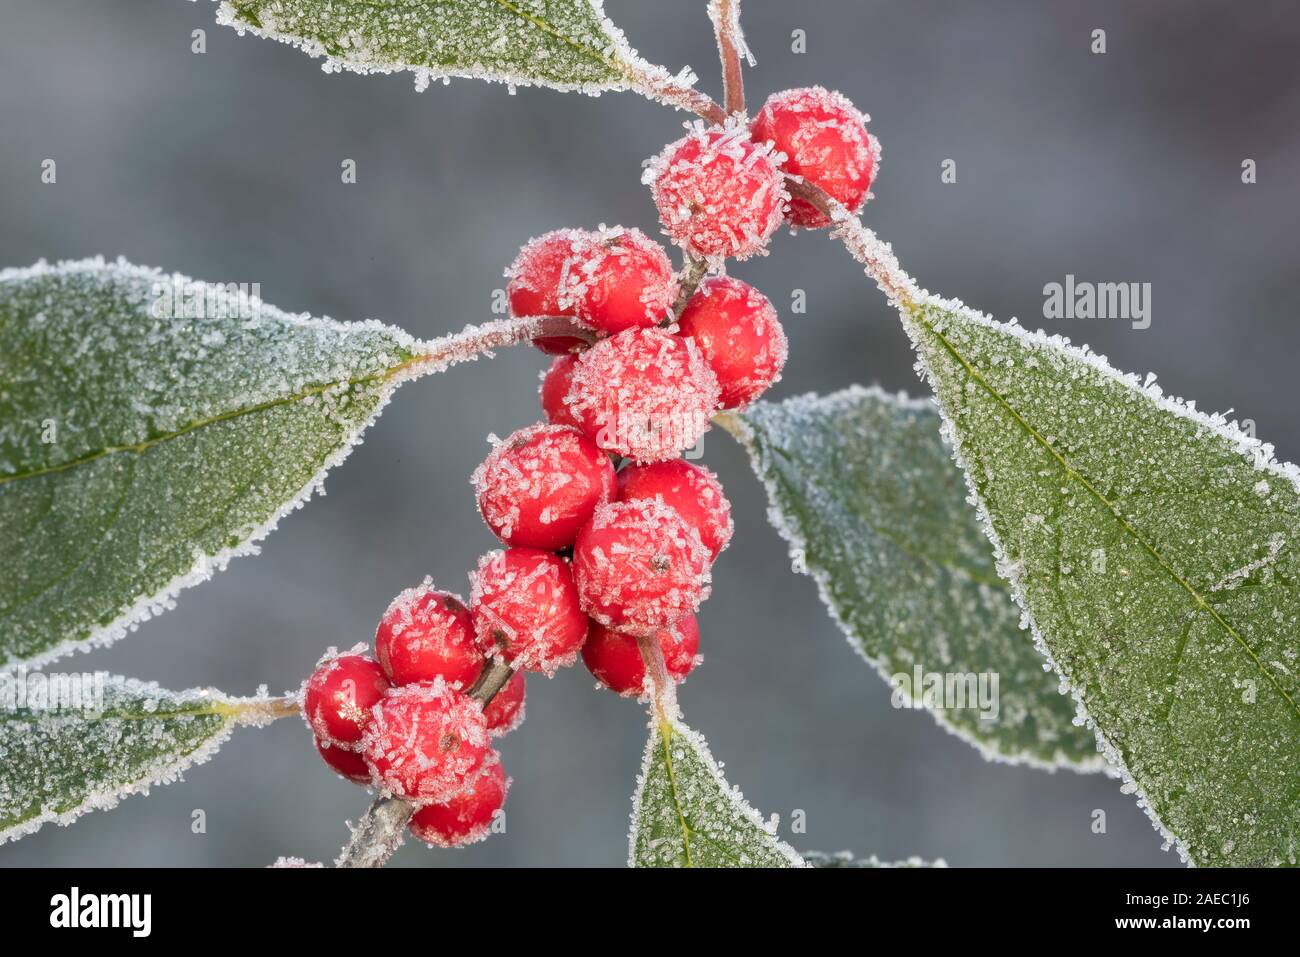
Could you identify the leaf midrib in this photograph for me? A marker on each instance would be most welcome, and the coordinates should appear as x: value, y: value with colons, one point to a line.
x: 197, y: 424
x: 1073, y: 473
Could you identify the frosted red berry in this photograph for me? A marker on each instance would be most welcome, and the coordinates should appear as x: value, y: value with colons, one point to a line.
x: 426, y: 742
x: 825, y: 141
x: 505, y: 711
x: 465, y: 819
x: 526, y: 611
x: 736, y: 328
x: 719, y: 193
x: 427, y: 634
x: 534, y: 287
x: 639, y: 566
x: 347, y: 763
x: 644, y: 393
x: 619, y: 279
x: 615, y: 660
x: 555, y: 386
x: 691, y: 490
x: 339, y: 695
x: 540, y: 485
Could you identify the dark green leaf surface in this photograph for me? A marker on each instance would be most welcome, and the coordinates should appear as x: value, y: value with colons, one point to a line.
x: 62, y: 755
x: 684, y: 814
x: 864, y: 490
x: 139, y: 452
x: 566, y: 44
x: 1155, y: 550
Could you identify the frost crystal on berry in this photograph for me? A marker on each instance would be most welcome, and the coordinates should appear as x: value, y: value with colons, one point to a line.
x: 540, y: 485
x: 719, y: 193
x: 427, y: 634
x: 534, y: 283
x: 338, y: 696
x: 736, y: 328
x: 645, y: 394
x: 639, y: 566
x: 691, y: 490
x: 426, y: 742
x: 826, y: 143
x: 526, y: 610
x: 618, y: 279
x: 467, y: 818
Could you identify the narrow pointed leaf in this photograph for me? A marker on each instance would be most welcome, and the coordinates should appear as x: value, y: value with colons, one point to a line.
x: 100, y: 739
x: 565, y: 44
x: 1155, y: 550
x: 143, y: 442
x: 684, y: 814
x: 866, y: 494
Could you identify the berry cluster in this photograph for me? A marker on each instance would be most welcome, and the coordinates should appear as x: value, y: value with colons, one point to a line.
x: 609, y: 535
x: 402, y: 722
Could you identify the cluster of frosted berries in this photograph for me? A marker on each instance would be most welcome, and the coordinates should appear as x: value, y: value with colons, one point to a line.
x: 609, y: 535
x: 403, y: 723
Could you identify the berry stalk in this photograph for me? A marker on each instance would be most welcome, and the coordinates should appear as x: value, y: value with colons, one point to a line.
x: 725, y: 15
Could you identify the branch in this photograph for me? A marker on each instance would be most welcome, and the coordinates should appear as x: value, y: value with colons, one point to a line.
x: 725, y: 15
x: 382, y: 828
x: 675, y: 91
x: 693, y: 273
x: 435, y: 355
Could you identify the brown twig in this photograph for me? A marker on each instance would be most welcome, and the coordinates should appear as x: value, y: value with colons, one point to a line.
x: 725, y: 15
x: 693, y: 273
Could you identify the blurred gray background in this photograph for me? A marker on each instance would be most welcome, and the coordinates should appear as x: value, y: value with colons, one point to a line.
x: 225, y: 166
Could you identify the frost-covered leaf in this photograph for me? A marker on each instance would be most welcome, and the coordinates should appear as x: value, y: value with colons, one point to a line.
x: 865, y: 492
x: 142, y: 446
x: 1155, y: 550
x: 684, y: 814
x: 100, y: 739
x: 565, y: 44
x: 845, y: 859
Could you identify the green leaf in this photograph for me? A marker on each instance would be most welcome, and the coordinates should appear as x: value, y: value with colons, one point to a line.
x: 684, y: 814
x: 141, y: 446
x: 565, y: 44
x: 866, y: 494
x: 845, y: 859
x: 1154, y: 549
x: 76, y: 743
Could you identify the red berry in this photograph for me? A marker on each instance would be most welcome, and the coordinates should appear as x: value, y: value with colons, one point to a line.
x: 525, y: 608
x: 644, y: 393
x: 534, y: 287
x: 619, y: 279
x: 426, y: 743
x: 539, y: 486
x: 719, y: 193
x: 736, y: 328
x: 690, y: 490
x: 347, y: 763
x: 505, y: 711
x: 826, y: 142
x: 466, y: 819
x: 615, y: 660
x: 555, y: 386
x: 427, y: 634
x: 639, y: 566
x: 339, y: 695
